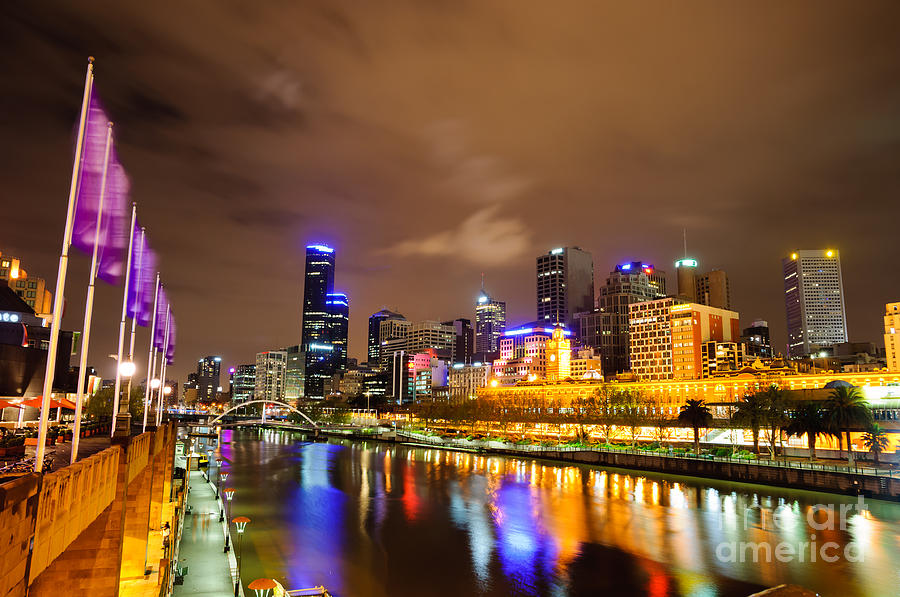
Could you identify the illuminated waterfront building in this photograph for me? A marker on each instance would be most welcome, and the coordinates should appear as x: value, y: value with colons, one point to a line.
x: 565, y: 285
x: 244, y: 383
x: 607, y: 327
x: 318, y: 283
x: 559, y: 355
x: 666, y: 337
x: 32, y: 290
x: 814, y: 301
x: 586, y: 364
x: 490, y: 323
x: 720, y: 357
x: 392, y: 335
x: 523, y: 353
x: 337, y: 313
x: 270, y: 375
x: 373, y: 352
x: 464, y: 380
x: 208, y: 377
x: 431, y: 375
x: 294, y: 373
x: 891, y: 344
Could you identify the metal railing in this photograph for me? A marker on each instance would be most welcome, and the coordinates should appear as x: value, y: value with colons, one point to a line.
x: 533, y: 449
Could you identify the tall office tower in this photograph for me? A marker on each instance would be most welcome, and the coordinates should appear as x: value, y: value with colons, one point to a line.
x: 318, y: 283
x: 244, y: 383
x: 464, y: 346
x: 669, y: 339
x: 270, y: 373
x: 565, y: 285
x: 814, y: 300
x: 490, y: 323
x: 756, y: 337
x: 891, y: 343
x: 392, y: 333
x: 374, y: 347
x: 337, y: 307
x: 686, y: 270
x: 208, y: 378
x: 631, y: 282
x: 713, y: 289
x: 293, y: 373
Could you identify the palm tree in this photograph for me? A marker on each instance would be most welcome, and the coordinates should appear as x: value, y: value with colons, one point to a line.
x: 847, y: 408
x: 808, y: 419
x: 695, y: 414
x: 876, y: 440
x: 751, y: 412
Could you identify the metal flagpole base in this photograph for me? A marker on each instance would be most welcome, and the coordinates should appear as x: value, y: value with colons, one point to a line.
x: 123, y: 425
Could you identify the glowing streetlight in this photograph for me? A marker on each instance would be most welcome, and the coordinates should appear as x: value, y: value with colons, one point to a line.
x: 241, y: 524
x: 126, y: 368
x: 154, y: 383
x: 262, y: 587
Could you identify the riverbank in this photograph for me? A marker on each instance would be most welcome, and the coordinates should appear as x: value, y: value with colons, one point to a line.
x: 872, y: 483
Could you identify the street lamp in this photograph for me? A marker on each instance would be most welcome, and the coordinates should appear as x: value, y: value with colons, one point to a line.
x: 224, y: 475
x: 240, y: 523
x: 229, y: 495
x: 126, y: 368
x: 262, y: 587
x: 154, y: 383
x: 218, y: 474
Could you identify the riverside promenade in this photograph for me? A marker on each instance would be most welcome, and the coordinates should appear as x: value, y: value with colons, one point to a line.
x: 202, y: 544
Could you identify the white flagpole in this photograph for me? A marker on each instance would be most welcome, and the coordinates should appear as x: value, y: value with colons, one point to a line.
x: 137, y: 297
x: 163, y: 366
x: 58, y: 298
x: 122, y: 426
x: 89, y: 303
x: 151, y: 356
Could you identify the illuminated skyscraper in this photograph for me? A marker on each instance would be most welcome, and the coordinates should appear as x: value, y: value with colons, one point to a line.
x: 565, y: 285
x: 891, y: 335
x: 490, y: 323
x: 374, y: 346
x: 270, y: 375
x: 318, y: 284
x: 337, y: 309
x: 814, y: 300
x: 208, y: 377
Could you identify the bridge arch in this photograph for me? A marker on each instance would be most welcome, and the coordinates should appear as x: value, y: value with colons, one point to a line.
x: 279, y: 403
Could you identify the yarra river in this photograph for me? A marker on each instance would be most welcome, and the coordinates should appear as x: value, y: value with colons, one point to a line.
x: 368, y: 518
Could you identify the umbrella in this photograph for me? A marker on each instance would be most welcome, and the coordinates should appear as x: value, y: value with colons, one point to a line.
x: 37, y: 402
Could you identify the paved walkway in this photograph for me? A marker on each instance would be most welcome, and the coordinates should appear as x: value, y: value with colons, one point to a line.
x: 202, y: 544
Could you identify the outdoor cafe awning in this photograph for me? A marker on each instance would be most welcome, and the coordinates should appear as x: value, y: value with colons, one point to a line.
x: 9, y: 404
x: 54, y: 403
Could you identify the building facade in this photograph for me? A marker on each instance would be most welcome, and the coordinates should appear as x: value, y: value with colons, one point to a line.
x: 523, y: 353
x: 891, y: 343
x: 244, y: 383
x: 666, y: 337
x: 464, y: 346
x: 711, y: 288
x: 208, y: 378
x: 32, y: 290
x: 814, y: 301
x: 373, y: 351
x: 270, y: 375
x: 490, y: 323
x: 464, y: 380
x: 756, y: 338
x: 565, y: 285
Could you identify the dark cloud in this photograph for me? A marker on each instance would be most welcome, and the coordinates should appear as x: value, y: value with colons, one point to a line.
x: 431, y: 142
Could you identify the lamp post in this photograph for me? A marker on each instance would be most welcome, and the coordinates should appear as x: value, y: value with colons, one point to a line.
x: 240, y: 523
x: 229, y: 495
x: 262, y: 587
x: 224, y: 475
x: 122, y: 415
x: 218, y: 474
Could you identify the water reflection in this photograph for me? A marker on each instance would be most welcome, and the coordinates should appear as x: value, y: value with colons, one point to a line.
x: 375, y: 519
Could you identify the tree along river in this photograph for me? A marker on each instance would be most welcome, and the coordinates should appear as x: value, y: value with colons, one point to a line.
x: 369, y: 518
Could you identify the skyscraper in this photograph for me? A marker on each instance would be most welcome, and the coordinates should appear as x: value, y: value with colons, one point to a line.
x: 565, y: 285
x: 490, y: 323
x: 374, y: 347
x: 208, y: 378
x: 891, y: 343
x: 756, y: 337
x: 711, y: 289
x: 318, y: 284
x: 337, y: 308
x: 465, y: 340
x: 814, y: 300
x: 244, y: 379
x: 631, y: 282
x: 270, y: 375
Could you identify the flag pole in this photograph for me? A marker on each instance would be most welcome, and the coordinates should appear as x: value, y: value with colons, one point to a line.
x: 151, y: 356
x: 137, y: 297
x: 163, y: 365
x: 58, y: 299
x: 89, y: 303
x: 123, y: 419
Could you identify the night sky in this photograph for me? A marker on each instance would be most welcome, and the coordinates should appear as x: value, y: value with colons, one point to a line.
x: 432, y: 141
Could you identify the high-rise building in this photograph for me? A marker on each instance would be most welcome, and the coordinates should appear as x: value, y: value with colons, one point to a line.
x: 756, y: 337
x: 490, y: 323
x: 631, y: 282
x: 523, y: 353
x: 293, y: 373
x: 374, y: 347
x: 318, y: 283
x: 337, y: 307
x: 686, y: 272
x: 565, y: 285
x: 208, y: 369
x: 891, y: 342
x: 464, y: 346
x: 32, y: 290
x: 711, y: 289
x: 667, y: 337
x: 814, y: 300
x: 270, y: 375
x: 244, y: 383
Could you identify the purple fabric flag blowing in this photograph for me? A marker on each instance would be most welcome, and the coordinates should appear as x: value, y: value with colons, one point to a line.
x: 170, y: 349
x: 114, y: 222
x: 142, y: 283
x: 160, y: 331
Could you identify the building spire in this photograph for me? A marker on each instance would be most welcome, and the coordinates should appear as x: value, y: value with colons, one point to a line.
x: 684, y: 234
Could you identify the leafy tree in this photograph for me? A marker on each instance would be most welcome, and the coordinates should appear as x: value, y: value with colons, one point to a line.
x: 606, y: 402
x: 101, y: 404
x: 776, y: 408
x: 751, y: 413
x: 808, y: 419
x: 876, y: 440
x: 631, y: 412
x: 847, y: 408
x: 695, y: 414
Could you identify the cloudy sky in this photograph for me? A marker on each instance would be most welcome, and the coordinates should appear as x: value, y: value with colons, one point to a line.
x: 431, y: 142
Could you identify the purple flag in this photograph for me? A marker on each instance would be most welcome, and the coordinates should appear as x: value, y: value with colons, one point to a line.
x: 114, y: 223
x: 170, y: 349
x: 160, y: 332
x: 142, y: 280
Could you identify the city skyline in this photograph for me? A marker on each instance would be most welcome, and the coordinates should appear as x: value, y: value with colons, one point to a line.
x: 304, y: 164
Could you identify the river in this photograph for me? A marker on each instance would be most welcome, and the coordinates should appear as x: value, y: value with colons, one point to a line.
x: 375, y: 519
